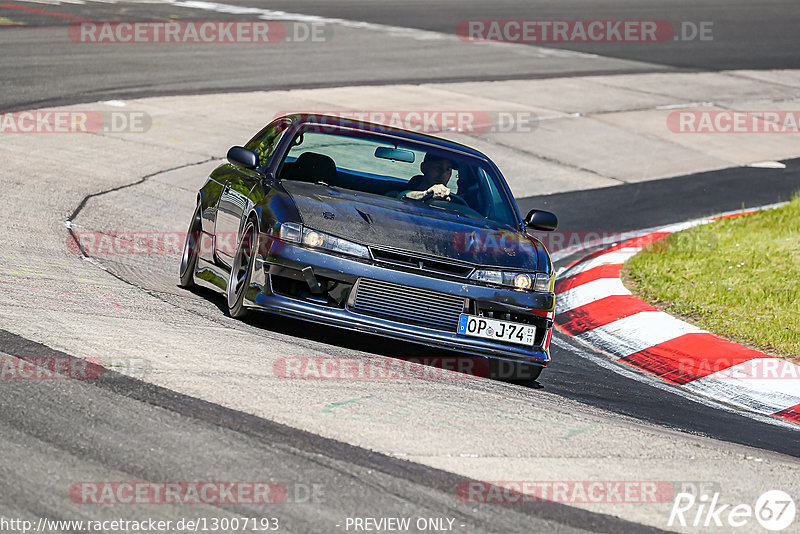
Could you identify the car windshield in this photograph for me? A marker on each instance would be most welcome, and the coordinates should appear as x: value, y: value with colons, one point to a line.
x: 393, y: 168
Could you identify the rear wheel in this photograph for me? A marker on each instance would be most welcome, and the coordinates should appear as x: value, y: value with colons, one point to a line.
x: 242, y: 270
x: 191, y: 249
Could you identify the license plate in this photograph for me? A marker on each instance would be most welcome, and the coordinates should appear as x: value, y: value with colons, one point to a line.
x: 494, y: 329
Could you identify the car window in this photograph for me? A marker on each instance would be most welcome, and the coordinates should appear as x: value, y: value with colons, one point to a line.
x: 359, y: 155
x: 265, y: 142
x: 496, y: 208
x: 351, y: 161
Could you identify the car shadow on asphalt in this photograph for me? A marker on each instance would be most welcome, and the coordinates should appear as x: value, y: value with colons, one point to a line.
x: 443, y: 360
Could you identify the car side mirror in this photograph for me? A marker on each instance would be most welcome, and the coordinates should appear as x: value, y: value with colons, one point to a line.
x: 541, y: 220
x: 241, y: 157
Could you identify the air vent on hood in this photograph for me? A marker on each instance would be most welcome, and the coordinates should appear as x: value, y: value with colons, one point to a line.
x: 420, y: 263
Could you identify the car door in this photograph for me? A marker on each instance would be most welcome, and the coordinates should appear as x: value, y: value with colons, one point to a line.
x: 235, y: 202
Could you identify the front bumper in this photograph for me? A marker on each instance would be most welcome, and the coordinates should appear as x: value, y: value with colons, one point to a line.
x: 287, y: 261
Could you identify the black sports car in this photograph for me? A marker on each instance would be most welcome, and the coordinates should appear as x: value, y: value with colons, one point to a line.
x: 375, y: 229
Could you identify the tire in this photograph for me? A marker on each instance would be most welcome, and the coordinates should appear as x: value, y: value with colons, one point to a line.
x: 191, y: 250
x: 242, y: 271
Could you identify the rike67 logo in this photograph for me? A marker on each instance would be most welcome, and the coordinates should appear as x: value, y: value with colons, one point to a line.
x: 774, y: 510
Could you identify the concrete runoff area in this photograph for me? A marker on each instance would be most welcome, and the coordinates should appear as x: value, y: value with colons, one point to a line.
x: 126, y: 309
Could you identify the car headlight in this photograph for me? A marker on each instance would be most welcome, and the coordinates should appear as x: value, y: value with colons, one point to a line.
x: 539, y: 282
x: 297, y: 233
x: 312, y: 238
x: 523, y: 281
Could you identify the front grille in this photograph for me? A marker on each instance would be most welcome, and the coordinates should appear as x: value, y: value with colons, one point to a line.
x: 420, y: 263
x: 406, y: 304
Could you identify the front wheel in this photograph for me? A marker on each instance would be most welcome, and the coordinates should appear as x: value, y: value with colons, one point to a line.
x: 241, y: 271
x: 191, y: 249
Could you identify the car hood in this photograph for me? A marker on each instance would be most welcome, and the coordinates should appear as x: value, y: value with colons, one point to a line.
x: 379, y: 221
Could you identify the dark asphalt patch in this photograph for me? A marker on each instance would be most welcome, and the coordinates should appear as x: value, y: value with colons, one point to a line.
x: 412, y: 483
x: 637, y: 206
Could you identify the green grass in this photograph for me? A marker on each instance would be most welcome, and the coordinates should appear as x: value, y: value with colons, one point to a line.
x: 738, y: 278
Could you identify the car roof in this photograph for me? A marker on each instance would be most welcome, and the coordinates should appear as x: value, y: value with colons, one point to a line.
x: 332, y: 120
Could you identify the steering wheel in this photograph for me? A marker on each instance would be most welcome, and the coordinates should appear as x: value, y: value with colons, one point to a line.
x: 453, y: 196
x: 460, y: 199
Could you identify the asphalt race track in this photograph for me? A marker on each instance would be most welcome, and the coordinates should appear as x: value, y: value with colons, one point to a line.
x: 189, y: 394
x: 749, y: 35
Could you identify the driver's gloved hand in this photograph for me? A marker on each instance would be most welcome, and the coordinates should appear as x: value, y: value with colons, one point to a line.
x: 439, y: 191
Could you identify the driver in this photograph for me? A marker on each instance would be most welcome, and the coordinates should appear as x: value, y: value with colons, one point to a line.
x: 436, y: 171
